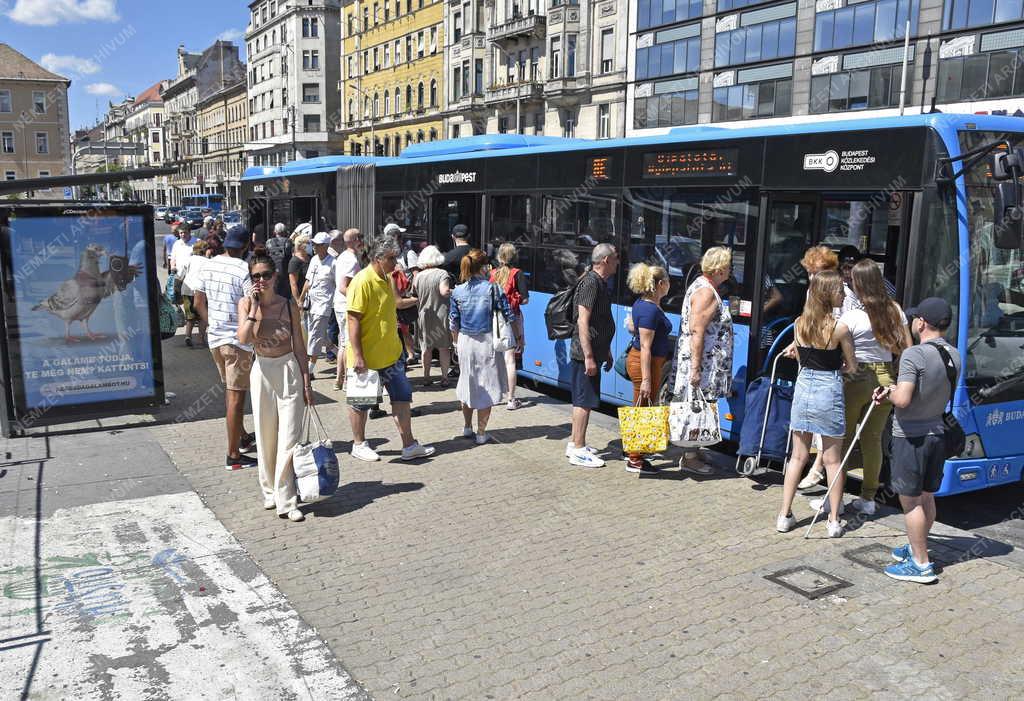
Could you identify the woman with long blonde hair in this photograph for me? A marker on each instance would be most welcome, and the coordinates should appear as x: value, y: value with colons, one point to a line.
x: 879, y: 330
x: 513, y: 283
x: 825, y: 349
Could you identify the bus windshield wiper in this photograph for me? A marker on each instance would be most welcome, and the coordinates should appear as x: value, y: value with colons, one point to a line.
x: 1002, y: 385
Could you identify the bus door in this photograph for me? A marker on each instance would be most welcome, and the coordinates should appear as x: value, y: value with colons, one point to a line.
x: 447, y: 210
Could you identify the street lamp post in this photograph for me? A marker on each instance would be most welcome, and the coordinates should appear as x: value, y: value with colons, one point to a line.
x: 509, y: 57
x: 285, y: 48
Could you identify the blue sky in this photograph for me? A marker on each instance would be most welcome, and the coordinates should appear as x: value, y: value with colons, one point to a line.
x: 114, y: 48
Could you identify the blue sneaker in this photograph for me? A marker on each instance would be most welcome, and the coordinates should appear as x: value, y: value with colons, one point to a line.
x: 902, y: 553
x: 910, y: 571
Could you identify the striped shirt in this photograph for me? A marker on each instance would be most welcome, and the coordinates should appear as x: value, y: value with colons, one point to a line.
x: 224, y: 281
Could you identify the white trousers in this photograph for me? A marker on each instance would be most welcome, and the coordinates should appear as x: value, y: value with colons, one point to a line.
x: 275, y: 385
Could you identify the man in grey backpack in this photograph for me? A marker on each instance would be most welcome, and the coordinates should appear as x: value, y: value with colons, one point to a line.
x: 923, y: 387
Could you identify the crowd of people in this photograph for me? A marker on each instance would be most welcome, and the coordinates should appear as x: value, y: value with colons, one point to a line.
x: 269, y: 310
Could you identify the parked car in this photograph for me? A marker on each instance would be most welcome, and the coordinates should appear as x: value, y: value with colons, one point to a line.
x: 231, y: 217
x: 171, y: 215
x: 192, y: 215
x: 160, y: 212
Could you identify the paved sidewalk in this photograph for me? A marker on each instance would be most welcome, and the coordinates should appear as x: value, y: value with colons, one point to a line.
x: 502, y: 572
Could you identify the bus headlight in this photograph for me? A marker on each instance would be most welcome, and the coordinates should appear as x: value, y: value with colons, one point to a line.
x: 973, y: 447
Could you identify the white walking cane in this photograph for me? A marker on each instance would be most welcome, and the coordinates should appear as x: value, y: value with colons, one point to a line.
x: 842, y: 467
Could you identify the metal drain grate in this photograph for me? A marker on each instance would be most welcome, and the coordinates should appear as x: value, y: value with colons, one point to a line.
x: 808, y: 581
x: 874, y: 556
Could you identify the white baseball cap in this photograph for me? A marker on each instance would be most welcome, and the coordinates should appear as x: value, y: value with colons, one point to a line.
x: 392, y: 228
x: 322, y: 238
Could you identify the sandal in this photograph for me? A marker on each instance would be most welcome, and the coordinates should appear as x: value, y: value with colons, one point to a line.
x: 513, y: 404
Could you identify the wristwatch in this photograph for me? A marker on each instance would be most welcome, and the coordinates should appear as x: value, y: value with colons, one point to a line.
x: 251, y: 318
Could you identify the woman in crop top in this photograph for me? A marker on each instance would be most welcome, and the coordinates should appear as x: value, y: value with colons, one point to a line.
x: 879, y: 330
x: 279, y: 382
x: 825, y: 349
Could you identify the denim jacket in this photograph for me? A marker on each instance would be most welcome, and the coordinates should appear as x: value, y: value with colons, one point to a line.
x: 472, y: 305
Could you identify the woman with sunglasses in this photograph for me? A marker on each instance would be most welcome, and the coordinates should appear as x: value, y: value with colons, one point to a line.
x: 279, y: 383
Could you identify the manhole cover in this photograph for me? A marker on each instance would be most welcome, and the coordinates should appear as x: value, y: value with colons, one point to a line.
x: 808, y: 581
x: 874, y: 557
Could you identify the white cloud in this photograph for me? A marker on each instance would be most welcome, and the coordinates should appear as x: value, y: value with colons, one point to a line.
x: 103, y: 89
x: 231, y: 35
x: 47, y: 13
x: 69, y: 64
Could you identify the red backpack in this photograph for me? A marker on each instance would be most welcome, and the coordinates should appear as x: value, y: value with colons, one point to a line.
x: 511, y: 290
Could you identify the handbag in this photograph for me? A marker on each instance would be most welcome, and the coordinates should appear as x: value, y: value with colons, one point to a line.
x: 693, y: 422
x: 502, y: 335
x: 314, y: 462
x: 620, y: 362
x: 170, y: 321
x: 644, y: 429
x: 954, y: 436
x: 362, y: 389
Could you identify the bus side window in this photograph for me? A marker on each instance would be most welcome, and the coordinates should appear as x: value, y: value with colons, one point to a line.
x: 513, y: 219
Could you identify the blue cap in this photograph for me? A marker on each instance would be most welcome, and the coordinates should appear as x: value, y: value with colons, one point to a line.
x: 935, y: 311
x: 236, y: 237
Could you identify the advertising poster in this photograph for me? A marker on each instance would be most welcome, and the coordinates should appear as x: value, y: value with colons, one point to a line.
x: 80, y: 332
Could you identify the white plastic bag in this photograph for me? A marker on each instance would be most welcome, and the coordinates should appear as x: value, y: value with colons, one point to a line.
x: 362, y: 389
x: 693, y: 422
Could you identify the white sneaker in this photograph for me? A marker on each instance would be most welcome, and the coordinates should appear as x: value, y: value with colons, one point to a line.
x: 481, y: 438
x: 268, y: 503
x: 570, y: 448
x: 835, y: 529
x: 812, y: 479
x: 296, y: 516
x: 584, y: 458
x: 363, y: 451
x: 416, y: 451
x: 468, y: 432
x: 784, y: 524
x: 825, y: 506
x: 864, y: 506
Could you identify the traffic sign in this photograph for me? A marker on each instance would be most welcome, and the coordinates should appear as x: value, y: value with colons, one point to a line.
x: 69, y: 193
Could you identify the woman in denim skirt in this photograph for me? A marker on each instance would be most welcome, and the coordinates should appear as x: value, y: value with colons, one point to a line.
x: 825, y: 349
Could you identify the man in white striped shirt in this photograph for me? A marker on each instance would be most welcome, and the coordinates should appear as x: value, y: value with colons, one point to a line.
x: 222, y: 283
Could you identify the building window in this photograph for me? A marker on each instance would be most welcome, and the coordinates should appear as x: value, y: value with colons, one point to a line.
x: 604, y: 121
x: 678, y: 53
x: 858, y: 90
x: 556, y: 57
x: 376, y: 59
x: 502, y: 125
x: 433, y: 40
x: 398, y: 101
x: 42, y: 142
x: 982, y: 76
x: 305, y: 60
x: 311, y: 60
x: 387, y: 102
x: 39, y: 102
x: 5, y: 100
x: 456, y: 82
x: 376, y: 105
x: 156, y: 137
x: 570, y: 56
x: 667, y: 110
x: 419, y: 45
x: 408, y: 98
x: 465, y: 77
x: 770, y: 98
x: 455, y: 131
x: 433, y: 134
x: 398, y: 51
x: 310, y: 92
x: 387, y: 55
x: 457, y: 26
x: 569, y: 125
x: 478, y: 77
x: 408, y: 49
x: 433, y: 93
x: 758, y: 41
x: 311, y: 122
x: 419, y: 96
x: 7, y: 139
x: 959, y: 14
x: 654, y: 13
x: 607, y: 50
x: 864, y: 23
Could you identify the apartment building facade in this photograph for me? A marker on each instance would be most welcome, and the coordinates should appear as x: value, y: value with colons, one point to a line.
x: 393, y: 78
x: 34, y: 132
x: 543, y: 67
x: 730, y: 61
x: 222, y: 124
x: 293, y: 100
x: 144, y: 123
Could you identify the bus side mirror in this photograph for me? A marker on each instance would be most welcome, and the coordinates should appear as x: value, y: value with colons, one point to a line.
x: 1008, y: 209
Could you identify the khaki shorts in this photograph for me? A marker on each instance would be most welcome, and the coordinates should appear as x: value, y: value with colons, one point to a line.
x: 234, y: 365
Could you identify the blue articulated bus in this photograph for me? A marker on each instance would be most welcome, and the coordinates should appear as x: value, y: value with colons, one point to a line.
x: 915, y: 193
x: 211, y: 201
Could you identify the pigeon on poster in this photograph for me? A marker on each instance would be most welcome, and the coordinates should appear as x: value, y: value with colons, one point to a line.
x: 78, y: 297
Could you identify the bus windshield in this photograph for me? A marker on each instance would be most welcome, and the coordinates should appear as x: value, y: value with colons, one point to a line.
x: 995, y: 363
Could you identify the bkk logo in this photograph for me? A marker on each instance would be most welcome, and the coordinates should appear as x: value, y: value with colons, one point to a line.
x: 827, y: 161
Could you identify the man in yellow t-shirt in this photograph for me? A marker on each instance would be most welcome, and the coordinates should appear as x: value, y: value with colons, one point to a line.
x: 374, y: 344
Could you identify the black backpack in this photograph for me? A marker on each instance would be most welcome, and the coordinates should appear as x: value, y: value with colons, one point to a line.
x: 560, y: 314
x: 280, y: 251
x: 955, y: 438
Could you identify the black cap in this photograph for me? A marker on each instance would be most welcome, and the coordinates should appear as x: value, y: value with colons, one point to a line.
x: 849, y: 254
x: 460, y: 230
x: 933, y: 310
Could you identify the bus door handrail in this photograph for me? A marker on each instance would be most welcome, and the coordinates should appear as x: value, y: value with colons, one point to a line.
x: 774, y: 345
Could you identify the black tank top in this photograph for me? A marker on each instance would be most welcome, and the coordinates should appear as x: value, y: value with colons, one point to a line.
x: 828, y: 360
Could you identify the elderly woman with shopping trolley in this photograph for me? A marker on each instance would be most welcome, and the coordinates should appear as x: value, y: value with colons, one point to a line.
x: 703, y: 361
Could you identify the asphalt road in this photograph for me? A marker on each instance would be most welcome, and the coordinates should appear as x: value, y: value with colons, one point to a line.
x: 994, y: 513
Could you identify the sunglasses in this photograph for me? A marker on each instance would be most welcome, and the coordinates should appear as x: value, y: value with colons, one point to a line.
x: 261, y: 276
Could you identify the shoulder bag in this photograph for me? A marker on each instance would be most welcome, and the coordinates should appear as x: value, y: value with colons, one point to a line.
x: 314, y: 462
x: 502, y: 336
x: 693, y: 422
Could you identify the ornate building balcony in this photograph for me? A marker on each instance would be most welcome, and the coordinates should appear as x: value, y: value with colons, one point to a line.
x: 516, y: 28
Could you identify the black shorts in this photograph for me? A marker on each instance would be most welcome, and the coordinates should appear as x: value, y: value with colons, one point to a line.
x: 916, y: 464
x: 586, y: 390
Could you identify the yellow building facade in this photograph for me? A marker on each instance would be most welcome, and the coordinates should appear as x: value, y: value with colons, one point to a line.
x: 392, y: 68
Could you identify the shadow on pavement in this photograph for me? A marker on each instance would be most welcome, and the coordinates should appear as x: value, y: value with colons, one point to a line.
x: 355, y: 495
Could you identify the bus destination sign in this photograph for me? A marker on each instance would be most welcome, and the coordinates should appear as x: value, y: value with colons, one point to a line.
x: 599, y: 168
x: 694, y: 163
